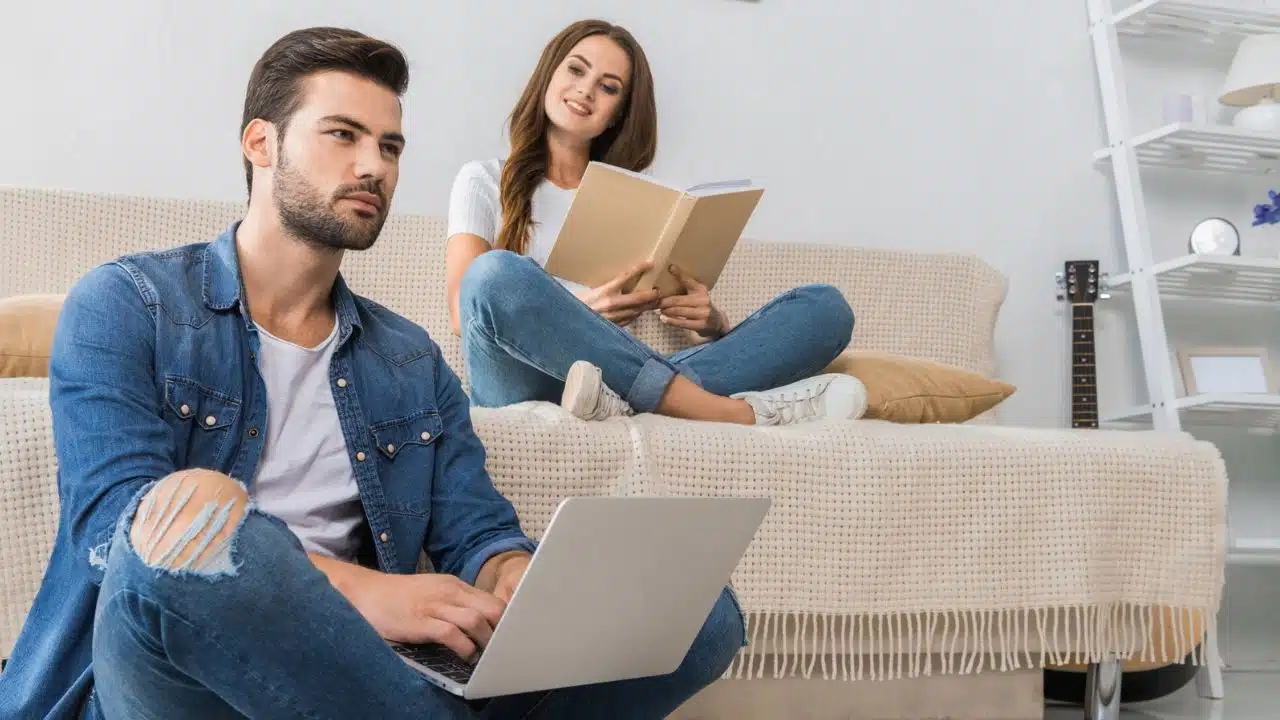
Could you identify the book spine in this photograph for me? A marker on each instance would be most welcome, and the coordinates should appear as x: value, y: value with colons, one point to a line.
x: 666, y: 242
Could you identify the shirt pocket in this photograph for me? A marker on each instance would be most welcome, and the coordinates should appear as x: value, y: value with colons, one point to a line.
x: 204, y: 419
x: 406, y: 452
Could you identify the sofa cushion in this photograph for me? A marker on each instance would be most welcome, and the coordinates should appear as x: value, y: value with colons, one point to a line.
x: 26, y: 334
x: 909, y: 390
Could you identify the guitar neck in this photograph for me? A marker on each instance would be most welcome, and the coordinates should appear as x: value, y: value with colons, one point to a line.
x: 1084, y: 373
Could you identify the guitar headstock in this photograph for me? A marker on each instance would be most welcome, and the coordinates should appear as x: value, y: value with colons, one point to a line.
x: 1081, y: 281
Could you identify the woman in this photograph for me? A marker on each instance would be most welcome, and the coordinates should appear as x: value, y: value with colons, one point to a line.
x: 529, y: 336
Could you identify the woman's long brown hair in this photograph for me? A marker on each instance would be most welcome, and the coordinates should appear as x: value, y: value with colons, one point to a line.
x: 630, y: 142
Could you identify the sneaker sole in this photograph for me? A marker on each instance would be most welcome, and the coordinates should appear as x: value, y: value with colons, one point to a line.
x: 581, y: 389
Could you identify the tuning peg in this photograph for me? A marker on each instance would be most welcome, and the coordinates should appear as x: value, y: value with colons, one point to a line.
x: 1060, y: 279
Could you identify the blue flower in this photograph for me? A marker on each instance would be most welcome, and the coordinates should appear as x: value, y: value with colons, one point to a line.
x: 1265, y: 214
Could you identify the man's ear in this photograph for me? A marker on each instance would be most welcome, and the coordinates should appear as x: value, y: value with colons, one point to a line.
x: 258, y: 142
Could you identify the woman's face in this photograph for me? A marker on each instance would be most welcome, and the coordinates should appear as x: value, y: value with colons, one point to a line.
x: 588, y: 87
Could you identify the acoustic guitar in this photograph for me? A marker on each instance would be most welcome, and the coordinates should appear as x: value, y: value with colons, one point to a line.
x: 1140, y: 680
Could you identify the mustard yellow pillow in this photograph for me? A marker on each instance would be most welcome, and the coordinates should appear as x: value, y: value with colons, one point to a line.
x: 26, y: 334
x: 907, y: 390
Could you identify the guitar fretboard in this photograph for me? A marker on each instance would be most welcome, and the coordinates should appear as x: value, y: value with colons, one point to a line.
x: 1084, y: 374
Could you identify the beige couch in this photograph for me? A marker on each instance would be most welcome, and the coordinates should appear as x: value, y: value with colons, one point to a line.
x: 905, y: 570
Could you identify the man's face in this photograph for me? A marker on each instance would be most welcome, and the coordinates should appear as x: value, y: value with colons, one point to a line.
x: 339, y: 161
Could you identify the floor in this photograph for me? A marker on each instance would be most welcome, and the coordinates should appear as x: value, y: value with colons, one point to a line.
x: 1249, y: 696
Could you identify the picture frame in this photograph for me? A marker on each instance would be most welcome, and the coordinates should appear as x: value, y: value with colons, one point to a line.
x: 1226, y: 370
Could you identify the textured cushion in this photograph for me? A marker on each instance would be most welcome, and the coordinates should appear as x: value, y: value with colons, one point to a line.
x: 907, y: 390
x: 26, y: 334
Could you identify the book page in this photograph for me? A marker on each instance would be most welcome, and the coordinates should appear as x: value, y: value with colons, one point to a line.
x: 719, y: 186
x: 638, y: 175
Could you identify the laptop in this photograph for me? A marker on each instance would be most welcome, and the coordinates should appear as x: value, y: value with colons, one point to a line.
x: 617, y: 589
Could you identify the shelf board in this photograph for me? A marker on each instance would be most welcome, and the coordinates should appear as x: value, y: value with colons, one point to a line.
x: 1254, y: 551
x: 1215, y: 25
x: 1250, y: 411
x: 1205, y: 148
x: 1216, y: 277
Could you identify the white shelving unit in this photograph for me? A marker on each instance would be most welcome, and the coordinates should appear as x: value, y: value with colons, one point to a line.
x: 1215, y: 27
x: 1253, y: 551
x: 1219, y: 25
x: 1246, y: 411
x: 1205, y: 148
x: 1239, y: 279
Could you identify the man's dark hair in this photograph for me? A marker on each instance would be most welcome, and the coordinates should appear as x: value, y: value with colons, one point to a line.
x: 274, y: 91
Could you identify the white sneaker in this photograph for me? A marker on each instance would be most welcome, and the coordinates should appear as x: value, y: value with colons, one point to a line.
x: 823, y: 397
x: 588, y: 398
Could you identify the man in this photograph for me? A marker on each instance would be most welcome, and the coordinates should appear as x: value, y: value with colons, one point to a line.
x: 251, y: 458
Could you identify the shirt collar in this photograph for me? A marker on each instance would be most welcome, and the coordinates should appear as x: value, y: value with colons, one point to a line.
x: 222, y: 283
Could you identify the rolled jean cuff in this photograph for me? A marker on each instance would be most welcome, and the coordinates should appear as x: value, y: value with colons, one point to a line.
x: 650, y: 385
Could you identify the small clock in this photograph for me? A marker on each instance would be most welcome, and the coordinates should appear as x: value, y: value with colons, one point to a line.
x: 1214, y: 236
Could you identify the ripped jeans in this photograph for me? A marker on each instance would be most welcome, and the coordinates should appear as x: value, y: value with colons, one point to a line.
x: 235, y: 621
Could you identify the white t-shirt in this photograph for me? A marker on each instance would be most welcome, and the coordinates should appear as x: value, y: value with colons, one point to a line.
x: 304, y: 476
x: 475, y: 207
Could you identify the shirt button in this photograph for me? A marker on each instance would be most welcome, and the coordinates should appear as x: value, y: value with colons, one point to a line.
x: 426, y: 436
x: 253, y: 432
x: 342, y: 382
x: 383, y: 537
x: 360, y: 456
x: 211, y: 420
x: 391, y: 448
x: 185, y: 409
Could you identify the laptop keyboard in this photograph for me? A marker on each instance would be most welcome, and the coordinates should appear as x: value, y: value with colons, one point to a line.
x: 439, y: 658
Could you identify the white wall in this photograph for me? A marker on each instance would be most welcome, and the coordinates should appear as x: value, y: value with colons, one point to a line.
x: 936, y: 124
x: 924, y: 124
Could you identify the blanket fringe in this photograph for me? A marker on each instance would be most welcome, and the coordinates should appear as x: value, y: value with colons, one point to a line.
x: 887, y: 646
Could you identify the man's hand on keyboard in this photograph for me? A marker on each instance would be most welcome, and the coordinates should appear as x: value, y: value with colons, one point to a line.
x: 426, y: 608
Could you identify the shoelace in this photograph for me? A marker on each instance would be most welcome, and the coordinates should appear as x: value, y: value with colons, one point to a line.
x: 800, y: 406
x: 609, y: 404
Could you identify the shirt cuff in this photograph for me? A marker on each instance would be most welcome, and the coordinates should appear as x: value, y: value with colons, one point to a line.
x: 472, y: 568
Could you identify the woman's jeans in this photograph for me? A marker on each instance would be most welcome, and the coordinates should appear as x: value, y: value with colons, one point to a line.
x: 522, y: 330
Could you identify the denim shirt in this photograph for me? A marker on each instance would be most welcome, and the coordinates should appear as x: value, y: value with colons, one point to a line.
x: 154, y: 370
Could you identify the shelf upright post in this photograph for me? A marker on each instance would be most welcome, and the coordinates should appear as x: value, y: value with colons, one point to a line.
x: 1148, y: 308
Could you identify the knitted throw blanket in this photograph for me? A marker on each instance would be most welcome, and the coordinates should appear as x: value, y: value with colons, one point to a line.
x: 889, y: 550
x: 894, y: 551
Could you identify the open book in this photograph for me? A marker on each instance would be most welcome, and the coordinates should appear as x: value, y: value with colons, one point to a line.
x: 619, y: 218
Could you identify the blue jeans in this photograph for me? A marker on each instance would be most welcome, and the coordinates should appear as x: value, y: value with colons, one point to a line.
x: 269, y: 637
x: 521, y: 330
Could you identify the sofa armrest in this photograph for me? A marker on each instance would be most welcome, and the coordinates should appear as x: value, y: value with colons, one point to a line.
x: 28, y: 499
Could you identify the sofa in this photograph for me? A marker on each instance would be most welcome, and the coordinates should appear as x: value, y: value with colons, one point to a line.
x: 913, y: 566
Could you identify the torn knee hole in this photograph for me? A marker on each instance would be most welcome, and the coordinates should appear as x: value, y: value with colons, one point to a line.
x: 187, y: 521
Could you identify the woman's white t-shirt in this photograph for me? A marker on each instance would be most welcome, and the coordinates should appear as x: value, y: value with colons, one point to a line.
x: 475, y: 207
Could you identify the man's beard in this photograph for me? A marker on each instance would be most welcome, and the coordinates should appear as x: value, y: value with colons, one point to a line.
x: 313, y: 221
